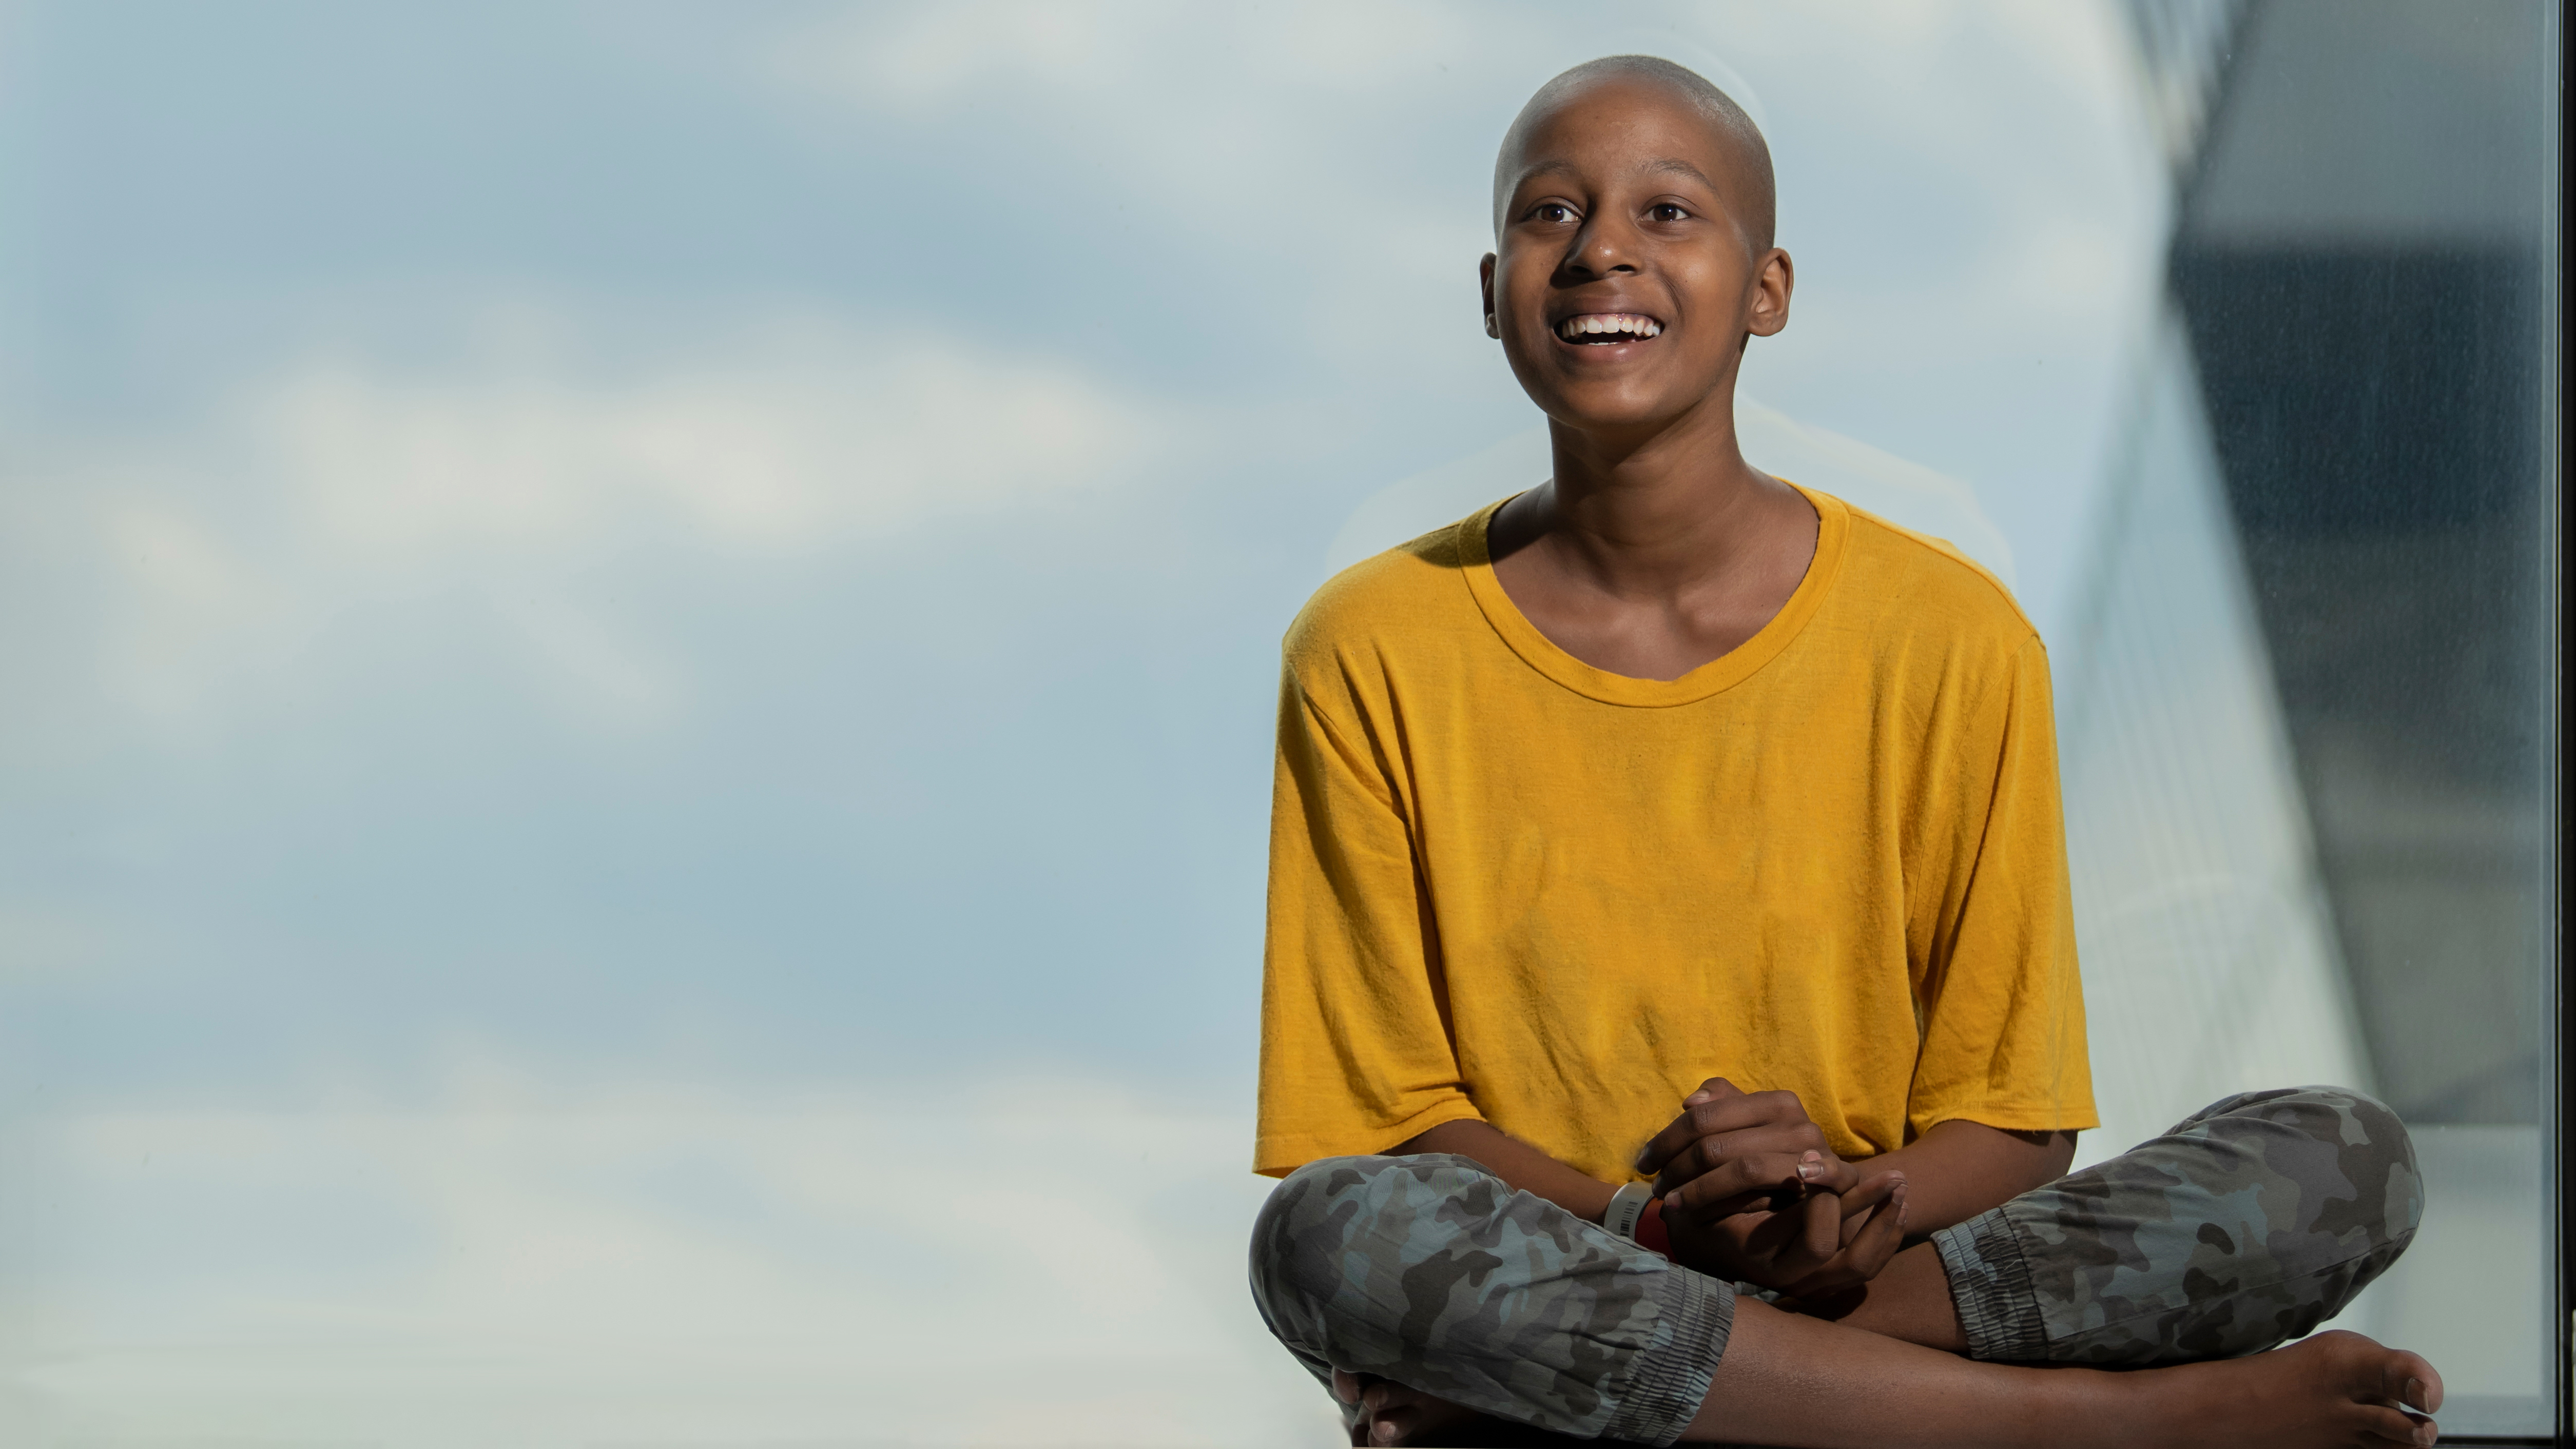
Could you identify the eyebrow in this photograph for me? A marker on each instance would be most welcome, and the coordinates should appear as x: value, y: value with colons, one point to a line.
x: 1678, y: 166
x: 1671, y: 165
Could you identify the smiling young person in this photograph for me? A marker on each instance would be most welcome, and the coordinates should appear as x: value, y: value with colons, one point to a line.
x: 1672, y: 824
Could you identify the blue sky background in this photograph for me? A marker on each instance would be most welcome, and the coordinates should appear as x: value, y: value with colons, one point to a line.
x: 687, y: 562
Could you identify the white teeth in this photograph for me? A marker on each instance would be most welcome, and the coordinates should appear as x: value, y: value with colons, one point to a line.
x: 1594, y: 323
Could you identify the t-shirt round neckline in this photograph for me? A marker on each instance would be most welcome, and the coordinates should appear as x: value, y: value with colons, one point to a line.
x: 1833, y: 527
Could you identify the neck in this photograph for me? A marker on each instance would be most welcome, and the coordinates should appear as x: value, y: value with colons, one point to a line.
x: 1650, y: 514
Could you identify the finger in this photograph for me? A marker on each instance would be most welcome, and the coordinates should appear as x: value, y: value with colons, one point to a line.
x: 1761, y: 1234
x: 1804, y: 1240
x: 1710, y: 1091
x: 1728, y: 1111
x: 1823, y: 1235
x: 1859, y: 1202
x: 1348, y: 1386
x: 1707, y: 1113
x: 1865, y: 1252
x: 1740, y: 1184
x: 1799, y: 1141
x: 1776, y: 1241
x: 1873, y: 1229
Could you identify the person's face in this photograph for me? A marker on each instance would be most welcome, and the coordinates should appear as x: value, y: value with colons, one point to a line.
x: 1624, y: 286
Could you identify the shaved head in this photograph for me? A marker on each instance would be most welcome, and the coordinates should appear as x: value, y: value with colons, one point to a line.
x: 1747, y: 188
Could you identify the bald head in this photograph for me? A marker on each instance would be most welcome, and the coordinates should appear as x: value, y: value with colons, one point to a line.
x: 1748, y: 180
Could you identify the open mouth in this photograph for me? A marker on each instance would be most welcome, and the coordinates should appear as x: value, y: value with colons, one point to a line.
x: 1607, y: 329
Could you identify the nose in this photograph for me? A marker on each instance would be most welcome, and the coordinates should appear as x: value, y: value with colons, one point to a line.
x: 1606, y: 245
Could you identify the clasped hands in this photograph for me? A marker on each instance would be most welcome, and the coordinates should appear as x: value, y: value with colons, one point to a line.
x: 1752, y: 1192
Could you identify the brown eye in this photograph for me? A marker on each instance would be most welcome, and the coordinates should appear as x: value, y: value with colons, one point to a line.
x: 1666, y: 211
x: 1551, y: 211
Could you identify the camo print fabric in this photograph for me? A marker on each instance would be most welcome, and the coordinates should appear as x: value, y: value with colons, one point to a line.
x: 2247, y: 1224
x: 1432, y: 1272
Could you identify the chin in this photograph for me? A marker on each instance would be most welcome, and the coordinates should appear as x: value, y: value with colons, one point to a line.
x: 1588, y: 411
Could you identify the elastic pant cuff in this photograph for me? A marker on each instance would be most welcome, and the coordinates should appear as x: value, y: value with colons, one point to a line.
x: 1990, y: 1286
x: 1670, y: 1378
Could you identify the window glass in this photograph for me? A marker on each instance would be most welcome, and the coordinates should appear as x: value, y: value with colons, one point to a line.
x: 2309, y: 740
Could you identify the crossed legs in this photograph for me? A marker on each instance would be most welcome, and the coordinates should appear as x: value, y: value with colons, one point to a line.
x: 2246, y: 1225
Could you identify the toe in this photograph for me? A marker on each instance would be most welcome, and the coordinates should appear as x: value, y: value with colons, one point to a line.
x: 2383, y: 1425
x: 2407, y: 1378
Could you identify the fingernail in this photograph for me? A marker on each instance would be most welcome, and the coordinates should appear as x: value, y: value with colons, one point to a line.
x: 1695, y: 1099
x: 1639, y: 1161
x: 1810, y: 1170
x: 1900, y: 1204
x: 2414, y: 1395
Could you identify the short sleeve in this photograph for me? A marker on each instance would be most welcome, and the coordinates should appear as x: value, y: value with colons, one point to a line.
x: 1356, y: 1054
x: 2002, y: 1004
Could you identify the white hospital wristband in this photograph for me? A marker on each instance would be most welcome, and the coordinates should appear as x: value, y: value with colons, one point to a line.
x: 1627, y: 1205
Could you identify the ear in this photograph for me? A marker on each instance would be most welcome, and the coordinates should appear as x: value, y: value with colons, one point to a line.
x: 1485, y: 282
x: 1773, y: 279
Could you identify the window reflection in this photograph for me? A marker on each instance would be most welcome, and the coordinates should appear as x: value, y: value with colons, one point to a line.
x: 2308, y: 729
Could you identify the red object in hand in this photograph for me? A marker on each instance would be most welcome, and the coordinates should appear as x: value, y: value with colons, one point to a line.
x: 1650, y: 1230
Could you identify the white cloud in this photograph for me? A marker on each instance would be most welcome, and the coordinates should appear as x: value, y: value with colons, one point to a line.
x: 341, y: 483
x: 914, y: 61
x: 772, y: 453
x: 1034, y: 1262
x: 596, y: 671
x: 186, y: 593
x: 944, y: 57
x: 1249, y: 128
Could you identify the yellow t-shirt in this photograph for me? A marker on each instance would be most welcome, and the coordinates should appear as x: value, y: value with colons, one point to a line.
x: 1507, y: 885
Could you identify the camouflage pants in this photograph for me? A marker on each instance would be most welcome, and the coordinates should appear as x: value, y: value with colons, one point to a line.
x: 2248, y: 1223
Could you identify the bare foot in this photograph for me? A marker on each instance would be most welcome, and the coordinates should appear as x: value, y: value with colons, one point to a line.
x: 2334, y: 1390
x: 1392, y: 1414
